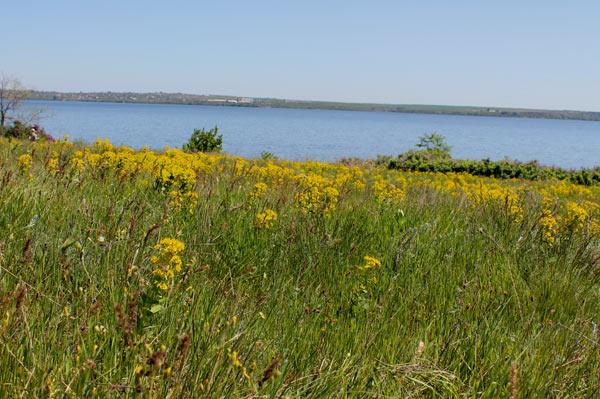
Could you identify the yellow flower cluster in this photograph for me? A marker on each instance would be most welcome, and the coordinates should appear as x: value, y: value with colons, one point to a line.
x: 565, y: 189
x: 317, y: 194
x: 504, y: 198
x: 266, y: 219
x: 549, y: 226
x: 187, y: 200
x: 258, y: 190
x: 370, y: 263
x: 318, y: 188
x: 175, y: 175
x: 570, y: 217
x: 167, y: 263
x: 103, y: 145
x: 25, y: 162
x: 77, y: 162
x: 576, y: 216
x: 276, y: 174
x: 350, y: 177
x: 52, y: 164
x: 387, y: 192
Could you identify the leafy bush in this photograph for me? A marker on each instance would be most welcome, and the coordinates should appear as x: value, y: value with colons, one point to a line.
x: 205, y: 141
x: 498, y: 169
x: 429, y: 148
x: 433, y: 155
x: 434, y: 144
x: 20, y: 130
x: 268, y: 156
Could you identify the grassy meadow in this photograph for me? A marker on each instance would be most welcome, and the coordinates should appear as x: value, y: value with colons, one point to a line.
x: 164, y: 274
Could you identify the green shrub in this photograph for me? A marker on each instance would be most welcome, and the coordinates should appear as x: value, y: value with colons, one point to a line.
x: 433, y: 155
x: 18, y: 130
x: 498, y: 169
x: 268, y: 156
x: 431, y: 147
x: 434, y: 144
x: 24, y: 131
x: 205, y: 141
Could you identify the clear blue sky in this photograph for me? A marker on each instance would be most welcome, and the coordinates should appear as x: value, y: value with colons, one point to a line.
x: 541, y: 54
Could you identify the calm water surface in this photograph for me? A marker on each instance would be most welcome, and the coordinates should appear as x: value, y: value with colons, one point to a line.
x: 326, y: 135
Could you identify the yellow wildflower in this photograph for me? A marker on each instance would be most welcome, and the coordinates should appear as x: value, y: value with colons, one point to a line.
x: 266, y: 219
x: 168, y: 262
x: 258, y: 190
x: 170, y: 246
x: 25, y: 162
x: 549, y: 226
x: 370, y: 263
x: 576, y: 216
x: 235, y: 359
x: 52, y: 166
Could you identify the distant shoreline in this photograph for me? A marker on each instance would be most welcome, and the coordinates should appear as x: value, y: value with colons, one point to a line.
x: 232, y: 101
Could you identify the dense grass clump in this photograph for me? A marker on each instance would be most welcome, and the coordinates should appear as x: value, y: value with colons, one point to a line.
x: 164, y: 274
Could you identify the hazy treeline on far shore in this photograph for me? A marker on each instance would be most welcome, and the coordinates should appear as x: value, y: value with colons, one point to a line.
x: 196, y: 99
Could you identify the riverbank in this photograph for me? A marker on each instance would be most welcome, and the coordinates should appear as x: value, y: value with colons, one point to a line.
x: 300, y: 134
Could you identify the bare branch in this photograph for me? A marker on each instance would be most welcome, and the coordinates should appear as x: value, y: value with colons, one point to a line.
x: 12, y: 94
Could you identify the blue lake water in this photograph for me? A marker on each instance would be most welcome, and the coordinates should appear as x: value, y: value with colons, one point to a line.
x: 326, y: 135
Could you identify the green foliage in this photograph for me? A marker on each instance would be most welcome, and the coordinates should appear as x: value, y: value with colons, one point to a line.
x: 18, y: 130
x: 433, y: 155
x: 268, y: 156
x: 498, y: 169
x: 434, y: 143
x: 205, y: 141
x: 431, y: 147
x: 23, y: 131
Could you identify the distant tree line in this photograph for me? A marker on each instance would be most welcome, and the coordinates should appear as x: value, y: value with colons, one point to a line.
x: 218, y: 100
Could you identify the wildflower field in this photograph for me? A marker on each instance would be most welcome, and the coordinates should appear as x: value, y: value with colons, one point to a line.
x: 135, y: 273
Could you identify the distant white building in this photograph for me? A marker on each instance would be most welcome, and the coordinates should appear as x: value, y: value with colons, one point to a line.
x: 245, y: 100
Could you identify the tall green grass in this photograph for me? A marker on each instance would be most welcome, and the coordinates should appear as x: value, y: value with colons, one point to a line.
x: 465, y: 304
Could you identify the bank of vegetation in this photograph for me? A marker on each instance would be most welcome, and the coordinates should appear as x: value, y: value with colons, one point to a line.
x: 433, y: 155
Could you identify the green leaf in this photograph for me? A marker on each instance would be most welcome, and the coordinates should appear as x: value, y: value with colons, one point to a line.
x: 156, y: 308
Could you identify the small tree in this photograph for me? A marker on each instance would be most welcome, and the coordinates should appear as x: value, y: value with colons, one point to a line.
x: 268, y: 156
x: 431, y: 147
x: 435, y: 143
x: 205, y: 141
x: 12, y: 94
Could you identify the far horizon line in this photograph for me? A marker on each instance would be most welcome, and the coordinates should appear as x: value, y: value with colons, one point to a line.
x: 315, y: 101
